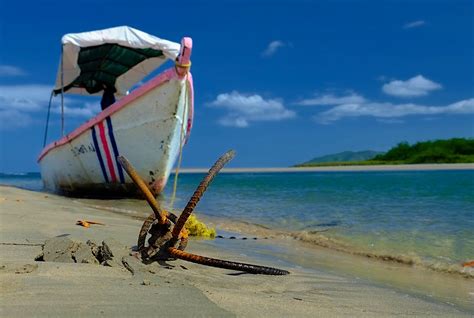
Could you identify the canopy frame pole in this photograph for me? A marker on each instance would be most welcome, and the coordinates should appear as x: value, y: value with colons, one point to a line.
x: 62, y: 90
x: 182, y: 65
x: 47, y: 119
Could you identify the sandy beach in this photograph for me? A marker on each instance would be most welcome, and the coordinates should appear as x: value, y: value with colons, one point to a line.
x: 174, y: 288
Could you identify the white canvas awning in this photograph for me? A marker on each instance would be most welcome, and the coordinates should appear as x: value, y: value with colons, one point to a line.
x: 120, y: 56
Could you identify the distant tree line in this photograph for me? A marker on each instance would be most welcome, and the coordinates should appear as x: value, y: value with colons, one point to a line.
x: 455, y: 150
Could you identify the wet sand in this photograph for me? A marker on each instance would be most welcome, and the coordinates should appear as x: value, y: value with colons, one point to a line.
x: 33, y: 288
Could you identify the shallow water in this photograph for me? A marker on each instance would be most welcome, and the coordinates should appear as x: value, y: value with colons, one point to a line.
x: 421, y: 218
x: 427, y: 215
x: 27, y: 180
x: 453, y: 290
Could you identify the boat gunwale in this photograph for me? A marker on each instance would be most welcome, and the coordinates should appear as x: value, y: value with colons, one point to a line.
x: 160, y: 79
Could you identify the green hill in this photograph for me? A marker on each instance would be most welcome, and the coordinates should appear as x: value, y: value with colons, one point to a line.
x: 455, y: 150
x: 344, y: 156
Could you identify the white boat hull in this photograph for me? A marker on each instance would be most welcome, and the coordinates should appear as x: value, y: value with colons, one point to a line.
x: 148, y: 127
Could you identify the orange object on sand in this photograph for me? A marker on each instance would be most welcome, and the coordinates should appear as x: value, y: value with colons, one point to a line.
x: 85, y: 223
x: 468, y: 264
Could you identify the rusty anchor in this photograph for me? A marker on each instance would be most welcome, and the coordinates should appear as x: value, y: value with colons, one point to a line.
x: 168, y: 237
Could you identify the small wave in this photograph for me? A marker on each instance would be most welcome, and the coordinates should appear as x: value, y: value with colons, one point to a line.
x: 317, y: 238
x: 331, y: 243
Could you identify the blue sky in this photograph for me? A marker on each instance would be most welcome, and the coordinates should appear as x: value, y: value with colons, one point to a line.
x: 278, y: 81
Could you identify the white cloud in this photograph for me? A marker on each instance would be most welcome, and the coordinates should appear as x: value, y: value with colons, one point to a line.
x: 272, y: 48
x: 239, y: 122
x: 355, y: 105
x: 88, y: 110
x: 389, y: 110
x: 12, y: 119
x: 20, y: 104
x: 415, y: 86
x: 330, y: 99
x: 9, y: 70
x: 414, y: 24
x: 243, y: 109
x: 24, y: 97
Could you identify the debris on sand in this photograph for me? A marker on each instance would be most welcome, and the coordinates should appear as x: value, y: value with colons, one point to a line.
x: 64, y: 250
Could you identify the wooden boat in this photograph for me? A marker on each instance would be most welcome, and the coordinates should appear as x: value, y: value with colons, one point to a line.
x: 148, y: 125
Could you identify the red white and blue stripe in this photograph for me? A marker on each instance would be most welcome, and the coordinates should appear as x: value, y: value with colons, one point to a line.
x: 107, y: 151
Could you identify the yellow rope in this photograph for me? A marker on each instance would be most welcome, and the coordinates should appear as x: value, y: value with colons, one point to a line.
x: 185, y: 65
x: 181, y: 139
x: 198, y: 228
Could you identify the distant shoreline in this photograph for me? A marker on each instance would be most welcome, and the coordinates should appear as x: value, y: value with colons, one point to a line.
x: 400, y: 167
x: 403, y: 167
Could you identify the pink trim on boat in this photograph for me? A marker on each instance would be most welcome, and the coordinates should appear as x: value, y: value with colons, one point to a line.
x: 145, y: 88
x: 191, y: 107
x: 184, y: 57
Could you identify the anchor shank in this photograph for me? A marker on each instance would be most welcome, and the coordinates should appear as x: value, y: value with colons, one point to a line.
x: 132, y: 173
x: 200, y: 191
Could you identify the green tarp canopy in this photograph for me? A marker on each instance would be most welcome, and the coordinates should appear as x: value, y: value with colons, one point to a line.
x: 117, y: 58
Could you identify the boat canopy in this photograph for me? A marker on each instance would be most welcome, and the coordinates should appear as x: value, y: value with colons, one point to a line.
x: 115, y: 58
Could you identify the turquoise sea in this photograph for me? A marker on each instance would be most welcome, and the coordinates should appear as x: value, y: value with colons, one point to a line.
x: 414, y: 217
x: 423, y: 217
